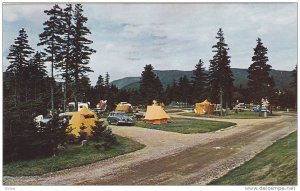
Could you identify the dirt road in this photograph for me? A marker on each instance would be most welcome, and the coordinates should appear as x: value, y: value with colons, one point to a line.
x: 173, y: 158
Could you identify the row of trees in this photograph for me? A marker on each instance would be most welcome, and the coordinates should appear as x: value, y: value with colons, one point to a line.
x: 217, y: 84
x: 29, y: 91
x: 66, y: 47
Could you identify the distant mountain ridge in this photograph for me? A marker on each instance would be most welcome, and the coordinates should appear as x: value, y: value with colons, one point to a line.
x: 282, y: 78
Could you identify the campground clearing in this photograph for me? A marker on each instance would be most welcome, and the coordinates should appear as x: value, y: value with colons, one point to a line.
x: 172, y: 158
x: 72, y: 156
x: 187, y: 126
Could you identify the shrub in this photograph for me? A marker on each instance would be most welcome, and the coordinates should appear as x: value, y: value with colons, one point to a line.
x: 100, y: 132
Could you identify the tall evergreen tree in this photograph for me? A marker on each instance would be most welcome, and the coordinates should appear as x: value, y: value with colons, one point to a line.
x: 100, y: 88
x: 19, y: 55
x: 81, y: 52
x: 220, y: 74
x: 38, y: 73
x: 65, y: 54
x: 199, y: 82
x: 106, y: 82
x: 185, y: 93
x: 100, y: 81
x: 260, y: 82
x: 175, y: 91
x: 51, y: 38
x: 150, y: 85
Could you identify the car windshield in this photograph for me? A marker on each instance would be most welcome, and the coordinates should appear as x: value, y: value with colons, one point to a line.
x: 120, y: 114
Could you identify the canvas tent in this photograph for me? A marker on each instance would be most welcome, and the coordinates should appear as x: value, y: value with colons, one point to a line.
x: 83, y: 117
x: 156, y: 115
x: 204, y: 107
x: 124, y: 107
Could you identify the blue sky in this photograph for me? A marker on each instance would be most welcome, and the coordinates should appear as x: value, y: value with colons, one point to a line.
x: 168, y: 36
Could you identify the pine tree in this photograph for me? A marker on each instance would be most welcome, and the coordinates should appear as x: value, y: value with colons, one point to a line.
x: 175, y: 91
x: 199, y: 82
x: 150, y: 85
x: 19, y: 55
x: 260, y: 82
x: 66, y: 59
x: 100, y: 89
x: 84, y: 87
x: 51, y: 38
x: 81, y: 52
x: 185, y: 88
x: 106, y: 82
x: 38, y: 73
x: 220, y: 74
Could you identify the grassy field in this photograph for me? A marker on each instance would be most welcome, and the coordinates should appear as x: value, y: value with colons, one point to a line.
x: 231, y: 115
x: 276, y: 165
x: 187, y: 126
x: 73, y: 156
x: 174, y: 110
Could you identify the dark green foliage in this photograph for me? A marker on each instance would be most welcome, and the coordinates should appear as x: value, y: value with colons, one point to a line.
x: 82, y: 134
x: 282, y: 78
x: 220, y: 74
x: 260, y: 82
x: 150, y: 85
x: 199, y: 83
x: 101, y: 132
x: 51, y: 38
x: 84, y: 89
x: 19, y: 56
x: 81, y: 51
x: 65, y: 53
x: 54, y: 133
x: 185, y: 90
x: 106, y: 82
x: 23, y: 139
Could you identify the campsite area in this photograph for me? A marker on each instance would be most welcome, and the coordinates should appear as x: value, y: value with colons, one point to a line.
x: 149, y: 94
x: 178, y: 159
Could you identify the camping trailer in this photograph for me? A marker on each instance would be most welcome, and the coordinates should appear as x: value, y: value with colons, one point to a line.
x: 71, y: 106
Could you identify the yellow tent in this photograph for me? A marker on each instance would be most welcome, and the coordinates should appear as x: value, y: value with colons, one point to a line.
x: 204, y: 107
x: 124, y: 107
x: 156, y: 115
x: 83, y: 117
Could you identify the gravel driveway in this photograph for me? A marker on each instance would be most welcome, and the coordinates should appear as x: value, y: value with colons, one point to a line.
x: 173, y: 158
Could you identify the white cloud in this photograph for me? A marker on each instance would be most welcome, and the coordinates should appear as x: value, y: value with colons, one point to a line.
x: 174, y: 36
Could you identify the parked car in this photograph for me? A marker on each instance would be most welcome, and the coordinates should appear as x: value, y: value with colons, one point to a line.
x: 257, y: 108
x: 119, y: 118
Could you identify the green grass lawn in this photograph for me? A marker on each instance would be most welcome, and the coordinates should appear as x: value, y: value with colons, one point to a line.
x: 231, y: 115
x: 73, y: 156
x: 187, y: 126
x: 276, y: 165
x: 174, y: 110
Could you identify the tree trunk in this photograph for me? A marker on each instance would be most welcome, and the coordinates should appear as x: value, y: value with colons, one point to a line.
x: 75, y: 94
x: 221, y: 101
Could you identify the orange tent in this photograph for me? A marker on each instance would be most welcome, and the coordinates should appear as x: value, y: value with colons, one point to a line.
x: 204, y: 107
x: 156, y: 115
x: 124, y: 107
x: 83, y: 117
